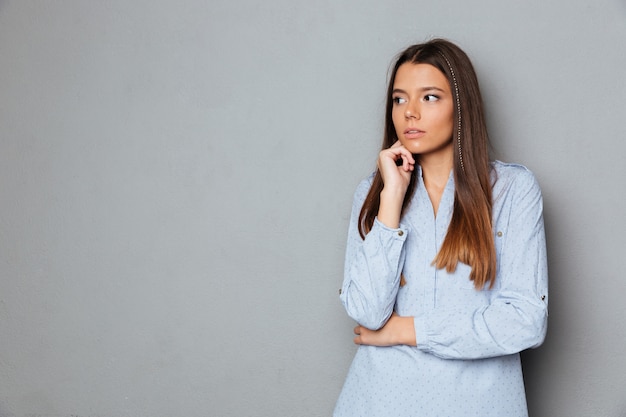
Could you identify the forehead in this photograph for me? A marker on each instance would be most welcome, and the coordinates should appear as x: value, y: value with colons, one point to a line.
x: 418, y: 76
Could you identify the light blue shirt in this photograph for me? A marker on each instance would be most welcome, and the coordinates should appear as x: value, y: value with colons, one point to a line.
x: 466, y: 362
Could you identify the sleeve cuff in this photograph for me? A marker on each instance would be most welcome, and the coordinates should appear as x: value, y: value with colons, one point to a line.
x: 421, y: 335
x: 400, y: 233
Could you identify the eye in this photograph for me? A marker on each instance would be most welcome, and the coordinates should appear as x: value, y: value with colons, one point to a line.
x: 398, y: 100
x: 431, y: 97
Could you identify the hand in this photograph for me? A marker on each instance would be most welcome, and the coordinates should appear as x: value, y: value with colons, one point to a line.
x: 396, y: 177
x: 397, y: 331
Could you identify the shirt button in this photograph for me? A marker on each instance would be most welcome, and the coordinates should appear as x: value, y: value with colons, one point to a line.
x: 400, y: 233
x: 499, y: 234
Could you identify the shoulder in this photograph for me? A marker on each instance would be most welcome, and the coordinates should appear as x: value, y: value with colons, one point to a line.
x: 364, y: 187
x: 513, y: 178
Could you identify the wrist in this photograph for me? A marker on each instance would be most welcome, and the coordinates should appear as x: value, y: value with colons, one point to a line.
x: 390, y: 207
x: 395, y: 194
x: 407, y: 332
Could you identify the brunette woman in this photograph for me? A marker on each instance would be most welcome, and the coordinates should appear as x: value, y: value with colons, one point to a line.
x: 445, y: 268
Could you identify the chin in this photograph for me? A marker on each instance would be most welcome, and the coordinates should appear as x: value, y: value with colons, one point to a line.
x: 415, y: 150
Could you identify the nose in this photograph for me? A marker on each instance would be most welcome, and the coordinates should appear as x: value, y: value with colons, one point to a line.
x: 412, y: 112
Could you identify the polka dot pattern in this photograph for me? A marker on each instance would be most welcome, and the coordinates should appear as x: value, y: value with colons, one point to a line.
x: 466, y: 362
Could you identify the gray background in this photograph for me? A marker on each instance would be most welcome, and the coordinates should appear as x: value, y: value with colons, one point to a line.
x: 176, y: 179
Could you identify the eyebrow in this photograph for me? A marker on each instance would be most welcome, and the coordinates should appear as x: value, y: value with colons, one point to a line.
x: 422, y: 89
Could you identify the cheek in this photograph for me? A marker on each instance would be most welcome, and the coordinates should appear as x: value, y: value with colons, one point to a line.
x: 446, y: 123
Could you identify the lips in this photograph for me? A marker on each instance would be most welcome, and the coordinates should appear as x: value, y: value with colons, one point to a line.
x: 413, y: 133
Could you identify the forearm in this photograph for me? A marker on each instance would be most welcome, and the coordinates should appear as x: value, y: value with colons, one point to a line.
x: 372, y: 275
x: 390, y: 207
x: 502, y: 328
x: 397, y: 331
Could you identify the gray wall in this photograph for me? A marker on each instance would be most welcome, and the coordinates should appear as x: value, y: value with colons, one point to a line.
x: 176, y: 179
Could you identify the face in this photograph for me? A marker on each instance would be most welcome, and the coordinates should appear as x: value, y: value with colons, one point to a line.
x: 423, y: 110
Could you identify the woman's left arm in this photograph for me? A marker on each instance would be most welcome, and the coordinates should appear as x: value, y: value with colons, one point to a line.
x: 516, y: 317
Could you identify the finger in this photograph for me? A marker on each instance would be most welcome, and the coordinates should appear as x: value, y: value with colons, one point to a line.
x: 357, y: 330
x: 399, y: 155
x: 406, y: 165
x: 409, y: 157
x: 397, y: 144
x: 389, y: 158
x: 401, y: 151
x: 407, y: 162
x: 360, y: 338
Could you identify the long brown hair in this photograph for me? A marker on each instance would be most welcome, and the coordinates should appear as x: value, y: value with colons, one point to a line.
x: 470, y: 237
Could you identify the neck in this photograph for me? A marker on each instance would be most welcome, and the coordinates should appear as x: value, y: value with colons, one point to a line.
x: 436, y: 168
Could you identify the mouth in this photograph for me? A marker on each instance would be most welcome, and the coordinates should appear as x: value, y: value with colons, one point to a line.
x: 413, y: 133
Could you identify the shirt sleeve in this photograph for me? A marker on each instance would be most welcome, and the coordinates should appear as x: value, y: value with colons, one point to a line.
x: 372, y: 268
x: 516, y: 317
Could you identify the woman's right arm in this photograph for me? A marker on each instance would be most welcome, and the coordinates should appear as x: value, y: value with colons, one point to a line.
x: 373, y: 265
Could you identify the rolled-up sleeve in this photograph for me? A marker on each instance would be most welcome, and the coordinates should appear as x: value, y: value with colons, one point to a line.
x: 516, y: 316
x: 372, y: 268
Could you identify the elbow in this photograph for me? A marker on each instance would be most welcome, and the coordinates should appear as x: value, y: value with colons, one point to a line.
x: 542, y: 329
x: 526, y: 329
x: 373, y: 323
x: 366, y: 315
x: 368, y: 320
x: 369, y: 312
x: 535, y: 329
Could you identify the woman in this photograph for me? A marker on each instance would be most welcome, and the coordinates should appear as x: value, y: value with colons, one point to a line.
x: 445, y: 263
